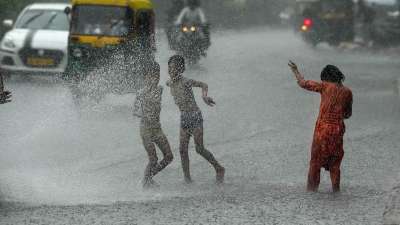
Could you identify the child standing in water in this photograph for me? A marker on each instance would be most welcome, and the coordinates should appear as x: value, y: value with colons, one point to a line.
x: 191, y: 116
x: 147, y: 108
x: 336, y: 106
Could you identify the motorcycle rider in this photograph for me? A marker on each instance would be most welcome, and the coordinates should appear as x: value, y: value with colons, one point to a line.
x: 173, y: 12
x: 193, y: 14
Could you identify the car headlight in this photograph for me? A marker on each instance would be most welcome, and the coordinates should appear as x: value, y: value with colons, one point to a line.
x: 9, y: 43
x: 77, y: 53
x: 193, y: 28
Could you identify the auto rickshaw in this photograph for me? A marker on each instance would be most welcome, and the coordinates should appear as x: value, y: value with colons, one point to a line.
x: 325, y: 21
x: 109, y: 42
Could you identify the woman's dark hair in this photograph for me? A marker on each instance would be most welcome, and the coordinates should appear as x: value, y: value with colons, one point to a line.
x: 332, y: 74
x: 179, y: 62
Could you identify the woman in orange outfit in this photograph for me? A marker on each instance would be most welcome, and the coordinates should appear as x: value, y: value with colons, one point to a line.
x: 336, y: 106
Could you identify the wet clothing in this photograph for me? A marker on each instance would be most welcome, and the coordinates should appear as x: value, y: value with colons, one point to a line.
x: 181, y: 90
x: 191, y: 16
x: 191, y: 120
x: 327, y: 148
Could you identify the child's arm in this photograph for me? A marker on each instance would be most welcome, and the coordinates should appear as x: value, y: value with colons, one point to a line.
x: 204, y: 90
x: 306, y: 84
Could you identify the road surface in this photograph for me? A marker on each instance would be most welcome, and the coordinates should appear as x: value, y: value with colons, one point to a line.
x: 60, y: 165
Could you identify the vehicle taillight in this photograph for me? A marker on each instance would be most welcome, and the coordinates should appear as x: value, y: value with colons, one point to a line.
x: 307, y: 22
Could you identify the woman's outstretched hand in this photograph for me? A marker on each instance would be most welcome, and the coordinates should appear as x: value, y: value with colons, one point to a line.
x: 293, y: 66
x: 295, y: 70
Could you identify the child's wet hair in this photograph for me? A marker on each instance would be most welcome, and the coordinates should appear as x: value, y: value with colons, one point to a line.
x: 332, y: 74
x: 179, y: 62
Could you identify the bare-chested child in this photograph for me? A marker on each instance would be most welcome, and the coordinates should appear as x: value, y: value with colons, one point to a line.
x: 191, y: 116
x: 148, y: 108
x: 5, y: 96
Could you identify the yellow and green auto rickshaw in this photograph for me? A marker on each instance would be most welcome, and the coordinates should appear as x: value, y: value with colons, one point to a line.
x: 325, y: 20
x: 110, y: 40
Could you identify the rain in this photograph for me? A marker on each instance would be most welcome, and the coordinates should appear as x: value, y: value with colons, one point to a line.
x: 72, y: 150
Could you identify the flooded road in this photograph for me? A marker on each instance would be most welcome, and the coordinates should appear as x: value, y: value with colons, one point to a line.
x: 261, y: 131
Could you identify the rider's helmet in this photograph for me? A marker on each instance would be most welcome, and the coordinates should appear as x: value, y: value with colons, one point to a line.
x: 193, y: 3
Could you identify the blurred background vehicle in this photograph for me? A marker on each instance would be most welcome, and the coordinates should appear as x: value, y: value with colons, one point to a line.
x: 190, y: 43
x: 109, y: 43
x: 37, y: 42
x: 373, y: 23
x: 325, y: 21
x: 386, y: 26
x: 189, y: 33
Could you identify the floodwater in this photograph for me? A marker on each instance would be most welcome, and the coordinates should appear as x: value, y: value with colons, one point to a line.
x: 261, y: 130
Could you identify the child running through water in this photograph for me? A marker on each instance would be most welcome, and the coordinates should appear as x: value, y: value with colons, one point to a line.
x: 336, y: 106
x: 191, y: 116
x: 148, y: 108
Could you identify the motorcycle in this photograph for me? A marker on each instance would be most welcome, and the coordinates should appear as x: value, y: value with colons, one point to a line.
x: 192, y: 42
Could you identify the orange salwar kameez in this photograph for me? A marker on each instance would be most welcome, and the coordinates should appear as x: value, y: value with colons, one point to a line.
x: 327, y: 148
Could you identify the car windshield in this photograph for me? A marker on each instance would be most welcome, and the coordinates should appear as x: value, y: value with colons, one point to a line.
x: 101, y: 20
x: 43, y: 20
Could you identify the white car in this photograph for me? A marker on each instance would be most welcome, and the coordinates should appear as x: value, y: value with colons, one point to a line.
x: 37, y: 42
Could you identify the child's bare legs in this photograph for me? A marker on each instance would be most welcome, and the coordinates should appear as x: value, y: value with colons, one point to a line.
x: 163, y: 144
x: 153, y: 166
x: 184, y: 151
x: 201, y: 150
